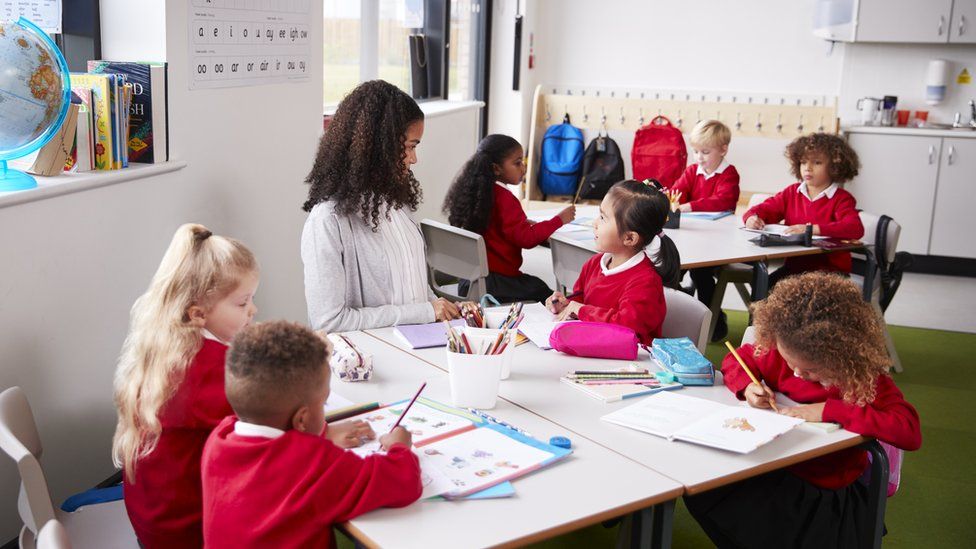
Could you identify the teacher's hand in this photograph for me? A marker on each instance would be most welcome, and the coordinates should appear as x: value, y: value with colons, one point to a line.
x: 445, y: 310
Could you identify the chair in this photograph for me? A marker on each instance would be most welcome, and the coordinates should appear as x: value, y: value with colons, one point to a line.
x: 567, y: 262
x: 458, y: 253
x: 748, y: 336
x: 53, y: 536
x: 103, y: 525
x: 686, y: 317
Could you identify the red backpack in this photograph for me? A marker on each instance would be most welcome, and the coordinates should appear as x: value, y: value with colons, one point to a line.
x: 659, y: 152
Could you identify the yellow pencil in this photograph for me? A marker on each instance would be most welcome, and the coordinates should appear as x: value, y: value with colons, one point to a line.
x: 772, y: 401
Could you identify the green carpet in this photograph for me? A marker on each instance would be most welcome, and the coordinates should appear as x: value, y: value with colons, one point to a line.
x: 938, y: 484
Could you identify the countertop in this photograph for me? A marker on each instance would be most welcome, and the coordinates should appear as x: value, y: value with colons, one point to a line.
x: 900, y: 130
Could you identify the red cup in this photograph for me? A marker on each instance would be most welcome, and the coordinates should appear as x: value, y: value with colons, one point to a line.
x: 903, y: 117
x: 921, y: 117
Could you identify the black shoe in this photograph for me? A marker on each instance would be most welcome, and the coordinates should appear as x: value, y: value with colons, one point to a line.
x: 721, y: 328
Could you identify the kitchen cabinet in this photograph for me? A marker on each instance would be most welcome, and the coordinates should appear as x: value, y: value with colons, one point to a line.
x: 903, y: 20
x: 962, y: 30
x: 955, y: 200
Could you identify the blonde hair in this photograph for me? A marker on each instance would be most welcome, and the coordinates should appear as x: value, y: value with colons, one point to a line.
x: 199, y: 268
x: 710, y: 132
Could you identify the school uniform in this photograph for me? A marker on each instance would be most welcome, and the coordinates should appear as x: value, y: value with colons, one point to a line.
x: 709, y: 192
x: 816, y: 503
x: 264, y: 487
x: 630, y: 295
x: 834, y: 210
x: 164, y: 501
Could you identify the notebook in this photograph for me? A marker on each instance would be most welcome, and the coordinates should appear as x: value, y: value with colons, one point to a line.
x: 775, y: 228
x: 422, y: 336
x: 783, y: 401
x: 680, y: 417
x: 618, y: 392
x: 707, y: 215
x: 461, y: 454
x: 538, y: 332
x: 532, y: 312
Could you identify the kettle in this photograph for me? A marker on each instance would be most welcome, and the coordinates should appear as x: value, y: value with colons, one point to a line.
x: 869, y: 107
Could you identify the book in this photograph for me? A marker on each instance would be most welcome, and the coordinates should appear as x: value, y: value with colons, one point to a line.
x: 471, y: 453
x: 618, y: 392
x: 148, y: 140
x: 423, y: 336
x: 539, y: 332
x: 712, y: 216
x: 100, y: 86
x: 55, y: 153
x: 691, y: 419
x: 775, y: 229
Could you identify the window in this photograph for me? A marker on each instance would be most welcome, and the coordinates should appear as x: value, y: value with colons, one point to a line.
x: 342, y: 28
x: 464, y: 50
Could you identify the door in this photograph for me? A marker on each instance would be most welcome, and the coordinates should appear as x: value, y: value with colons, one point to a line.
x: 903, y: 21
x: 963, y: 27
x: 897, y: 178
x: 955, y: 200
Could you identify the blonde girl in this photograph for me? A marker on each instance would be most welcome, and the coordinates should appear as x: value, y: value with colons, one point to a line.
x: 169, y: 383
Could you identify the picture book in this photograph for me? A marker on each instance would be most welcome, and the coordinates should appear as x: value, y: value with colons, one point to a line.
x: 101, y: 104
x: 783, y: 401
x: 423, y: 336
x: 148, y: 139
x: 460, y: 454
x: 680, y: 417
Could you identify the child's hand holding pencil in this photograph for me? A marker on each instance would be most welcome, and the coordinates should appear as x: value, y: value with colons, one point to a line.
x: 757, y: 394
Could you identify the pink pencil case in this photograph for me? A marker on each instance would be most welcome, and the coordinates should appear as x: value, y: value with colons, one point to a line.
x: 594, y: 340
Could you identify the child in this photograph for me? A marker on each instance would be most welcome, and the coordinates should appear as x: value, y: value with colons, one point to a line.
x: 169, y: 384
x: 479, y: 201
x: 273, y: 476
x: 709, y: 185
x: 620, y: 285
x: 822, y: 345
x: 822, y: 162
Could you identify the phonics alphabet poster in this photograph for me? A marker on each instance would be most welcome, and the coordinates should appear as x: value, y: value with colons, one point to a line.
x: 248, y: 42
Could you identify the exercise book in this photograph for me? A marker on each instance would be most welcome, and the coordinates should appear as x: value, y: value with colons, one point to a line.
x: 422, y: 336
x: 712, y: 216
x: 691, y: 419
x: 775, y: 228
x: 618, y: 392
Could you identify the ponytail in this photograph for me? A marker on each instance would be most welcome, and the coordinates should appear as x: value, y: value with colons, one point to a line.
x: 470, y: 199
x: 643, y: 209
x: 667, y: 263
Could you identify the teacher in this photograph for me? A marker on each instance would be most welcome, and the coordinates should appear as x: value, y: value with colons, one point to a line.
x: 364, y: 254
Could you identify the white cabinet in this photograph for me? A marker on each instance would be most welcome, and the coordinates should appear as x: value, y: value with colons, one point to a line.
x: 898, y: 178
x: 903, y: 20
x: 962, y: 30
x: 955, y: 200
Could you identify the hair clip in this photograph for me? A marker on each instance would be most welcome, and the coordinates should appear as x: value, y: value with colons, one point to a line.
x: 202, y: 235
x: 660, y: 234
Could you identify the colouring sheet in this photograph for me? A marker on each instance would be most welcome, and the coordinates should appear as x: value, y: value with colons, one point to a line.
x: 424, y: 422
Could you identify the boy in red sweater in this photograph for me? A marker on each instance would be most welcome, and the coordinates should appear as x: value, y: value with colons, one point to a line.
x: 275, y: 475
x: 822, y: 162
x: 621, y: 285
x: 820, y: 344
x: 711, y: 184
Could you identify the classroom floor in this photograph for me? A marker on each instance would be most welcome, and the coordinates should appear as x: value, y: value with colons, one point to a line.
x: 933, y: 506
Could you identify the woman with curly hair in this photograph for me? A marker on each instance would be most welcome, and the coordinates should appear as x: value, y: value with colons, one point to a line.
x: 822, y: 162
x: 819, y: 343
x: 479, y: 201
x: 364, y: 255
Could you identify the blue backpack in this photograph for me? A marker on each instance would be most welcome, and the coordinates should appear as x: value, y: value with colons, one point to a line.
x: 562, y: 159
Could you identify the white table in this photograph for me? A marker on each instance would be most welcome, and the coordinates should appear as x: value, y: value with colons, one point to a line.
x: 592, y: 485
x: 534, y: 385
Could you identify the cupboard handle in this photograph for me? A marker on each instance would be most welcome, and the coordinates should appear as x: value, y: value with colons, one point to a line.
x: 941, y: 23
x: 962, y: 24
x: 931, y: 154
x: 952, y: 151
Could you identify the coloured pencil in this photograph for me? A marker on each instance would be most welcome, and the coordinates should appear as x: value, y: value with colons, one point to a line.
x: 407, y: 409
x: 772, y: 401
x: 350, y: 411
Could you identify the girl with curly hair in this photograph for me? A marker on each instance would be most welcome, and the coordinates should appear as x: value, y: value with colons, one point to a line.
x: 819, y: 343
x: 822, y: 162
x: 364, y: 254
x: 479, y: 201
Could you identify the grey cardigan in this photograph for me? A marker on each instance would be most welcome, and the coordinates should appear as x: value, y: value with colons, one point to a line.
x: 347, y: 275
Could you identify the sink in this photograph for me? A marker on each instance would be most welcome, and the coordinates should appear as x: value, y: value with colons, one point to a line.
x: 939, y: 126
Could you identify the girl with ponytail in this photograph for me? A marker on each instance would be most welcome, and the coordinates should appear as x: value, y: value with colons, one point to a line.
x: 479, y: 201
x: 169, y: 383
x: 621, y: 285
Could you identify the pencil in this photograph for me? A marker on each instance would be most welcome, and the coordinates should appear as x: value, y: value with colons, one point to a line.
x: 772, y: 401
x: 407, y: 409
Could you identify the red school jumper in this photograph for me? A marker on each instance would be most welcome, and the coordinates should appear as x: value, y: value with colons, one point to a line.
x: 718, y: 192
x: 164, y: 502
x: 834, y: 210
x: 888, y: 417
x: 630, y: 295
x: 288, y: 491
x: 510, y: 231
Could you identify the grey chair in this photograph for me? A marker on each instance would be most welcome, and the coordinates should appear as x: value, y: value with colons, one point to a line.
x: 686, y: 317
x: 457, y: 253
x: 567, y: 262
x: 104, y: 525
x: 53, y: 536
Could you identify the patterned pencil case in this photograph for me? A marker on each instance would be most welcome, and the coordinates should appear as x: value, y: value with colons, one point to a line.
x: 348, y: 361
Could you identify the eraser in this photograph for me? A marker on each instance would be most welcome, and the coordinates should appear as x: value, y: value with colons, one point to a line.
x: 561, y: 442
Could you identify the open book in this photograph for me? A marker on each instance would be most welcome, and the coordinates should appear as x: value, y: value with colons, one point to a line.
x: 777, y: 229
x: 681, y: 417
x: 460, y: 454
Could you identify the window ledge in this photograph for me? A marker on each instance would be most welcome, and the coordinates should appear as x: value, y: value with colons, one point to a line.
x: 436, y: 107
x: 68, y: 183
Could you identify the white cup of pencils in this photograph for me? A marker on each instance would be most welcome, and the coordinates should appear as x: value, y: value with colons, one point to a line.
x: 477, y: 360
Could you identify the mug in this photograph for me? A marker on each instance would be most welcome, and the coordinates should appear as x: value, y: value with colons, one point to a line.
x: 869, y: 107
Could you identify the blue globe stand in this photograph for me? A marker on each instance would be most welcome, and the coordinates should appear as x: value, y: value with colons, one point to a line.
x: 14, y: 180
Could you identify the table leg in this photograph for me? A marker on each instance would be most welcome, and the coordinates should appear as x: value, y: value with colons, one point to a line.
x: 760, y: 283
x: 663, y: 520
x: 647, y: 528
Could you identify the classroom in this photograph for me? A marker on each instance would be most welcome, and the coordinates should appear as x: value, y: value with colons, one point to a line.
x: 472, y: 273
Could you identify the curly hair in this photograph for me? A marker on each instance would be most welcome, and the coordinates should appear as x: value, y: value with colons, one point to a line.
x: 360, y: 162
x: 469, y: 201
x: 823, y: 318
x: 272, y: 367
x: 844, y: 163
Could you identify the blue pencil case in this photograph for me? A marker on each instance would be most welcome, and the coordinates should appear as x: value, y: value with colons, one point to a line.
x: 681, y: 358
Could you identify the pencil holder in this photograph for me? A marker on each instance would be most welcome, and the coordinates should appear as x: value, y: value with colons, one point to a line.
x: 475, y: 377
x: 674, y: 220
x: 485, y: 337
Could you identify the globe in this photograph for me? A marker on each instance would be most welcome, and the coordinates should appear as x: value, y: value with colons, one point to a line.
x: 35, y: 92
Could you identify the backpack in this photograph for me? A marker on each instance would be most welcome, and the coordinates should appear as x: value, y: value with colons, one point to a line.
x: 602, y: 167
x: 562, y: 159
x: 659, y: 152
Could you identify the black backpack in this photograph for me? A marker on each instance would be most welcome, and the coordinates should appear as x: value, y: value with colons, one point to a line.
x: 602, y: 167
